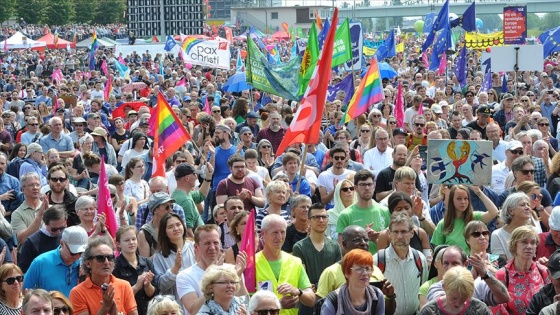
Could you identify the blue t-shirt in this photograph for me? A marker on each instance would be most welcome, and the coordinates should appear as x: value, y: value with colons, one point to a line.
x: 221, y: 168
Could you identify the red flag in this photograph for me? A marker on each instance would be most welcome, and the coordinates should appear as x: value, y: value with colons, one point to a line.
x: 306, y: 125
x: 182, y: 82
x: 399, y: 107
x: 442, y: 64
x: 229, y: 34
x: 248, y: 246
x: 169, y: 134
x: 425, y: 60
x: 104, y: 202
x: 207, y: 108
x: 55, y: 105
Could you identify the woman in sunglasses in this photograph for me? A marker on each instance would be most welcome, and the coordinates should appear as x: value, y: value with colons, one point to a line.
x: 101, y: 292
x: 516, y: 211
x: 477, y: 237
x: 344, y: 197
x: 61, y: 305
x: 264, y: 302
x: 11, y: 278
x: 539, y: 217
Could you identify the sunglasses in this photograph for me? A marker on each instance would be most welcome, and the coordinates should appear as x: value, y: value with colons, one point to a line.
x: 59, y: 179
x: 518, y: 152
x: 376, y: 116
x: 346, y: 189
x: 268, y: 312
x: 59, y: 310
x: 525, y: 101
x: 478, y: 234
x: 216, y: 111
x: 536, y: 196
x: 12, y: 280
x: 419, y: 125
x: 54, y: 230
x: 339, y: 158
x: 527, y: 172
x: 102, y: 258
x: 33, y: 124
x: 393, y: 122
x: 266, y: 147
x: 72, y: 254
x: 544, y: 124
x: 530, y: 94
x: 365, y: 130
x: 167, y: 207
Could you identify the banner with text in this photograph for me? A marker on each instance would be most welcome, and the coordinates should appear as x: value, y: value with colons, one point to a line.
x: 207, y: 53
x: 515, y: 25
x: 357, y: 37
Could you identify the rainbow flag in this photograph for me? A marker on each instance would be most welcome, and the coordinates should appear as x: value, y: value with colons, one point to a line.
x: 108, y: 88
x: 94, y: 46
x: 169, y: 134
x: 369, y: 92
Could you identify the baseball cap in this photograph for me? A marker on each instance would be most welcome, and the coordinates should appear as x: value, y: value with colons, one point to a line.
x: 79, y: 120
x: 554, y: 264
x: 399, y: 131
x: 32, y: 148
x: 157, y: 199
x: 99, y: 131
x: 554, y: 220
x: 485, y: 110
x: 60, y: 110
x: 507, y: 96
x: 76, y: 239
x: 244, y: 130
x: 185, y: 169
x: 252, y: 115
x: 92, y: 115
x: 132, y: 112
x: 514, y: 144
x: 437, y: 109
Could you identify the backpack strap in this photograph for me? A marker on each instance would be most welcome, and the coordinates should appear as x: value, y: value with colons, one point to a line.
x: 381, y: 260
x: 418, y: 262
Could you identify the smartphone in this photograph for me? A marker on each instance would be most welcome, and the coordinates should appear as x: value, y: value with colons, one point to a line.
x: 550, y: 92
x: 377, y: 284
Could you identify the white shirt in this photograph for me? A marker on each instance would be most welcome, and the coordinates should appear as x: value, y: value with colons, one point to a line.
x: 375, y: 161
x: 409, y: 114
x: 499, y: 153
x: 499, y: 174
x: 326, y: 180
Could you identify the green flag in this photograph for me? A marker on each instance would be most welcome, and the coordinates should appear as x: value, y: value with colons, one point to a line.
x: 308, y: 61
x: 342, y: 49
x: 299, y: 31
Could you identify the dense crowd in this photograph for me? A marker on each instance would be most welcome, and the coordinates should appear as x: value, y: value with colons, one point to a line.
x: 356, y: 229
x: 68, y: 32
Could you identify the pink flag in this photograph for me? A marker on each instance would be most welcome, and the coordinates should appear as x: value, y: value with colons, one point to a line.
x: 55, y: 105
x: 104, y: 68
x: 248, y: 246
x: 425, y: 60
x: 207, y: 108
x: 399, y: 107
x: 442, y: 64
x: 104, y: 202
x: 182, y: 82
x: 57, y: 76
x: 121, y: 60
x: 421, y: 109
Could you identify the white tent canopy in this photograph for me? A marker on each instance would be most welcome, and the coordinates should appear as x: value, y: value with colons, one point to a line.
x: 86, y: 43
x: 20, y: 41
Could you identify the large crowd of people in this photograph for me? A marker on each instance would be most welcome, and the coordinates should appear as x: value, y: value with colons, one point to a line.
x: 352, y: 228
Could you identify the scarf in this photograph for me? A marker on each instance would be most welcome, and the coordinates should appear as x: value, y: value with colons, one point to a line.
x: 216, y: 309
x: 334, y: 213
x: 346, y: 307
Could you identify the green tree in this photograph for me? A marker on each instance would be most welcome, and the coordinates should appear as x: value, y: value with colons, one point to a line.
x: 32, y: 11
x: 534, y: 21
x: 60, y: 12
x: 491, y: 22
x: 109, y: 11
x: 7, y: 10
x: 85, y: 11
x: 550, y: 20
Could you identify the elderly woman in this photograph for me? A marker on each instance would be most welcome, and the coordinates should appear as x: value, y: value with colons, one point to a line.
x: 164, y: 305
x: 458, y: 284
x: 86, y: 208
x: 266, y: 154
x: 219, y: 285
x: 98, y: 263
x: 344, y: 197
x: 516, y: 211
x: 477, y: 237
x: 356, y: 296
x: 276, y: 195
x: 539, y: 216
x: 61, y: 305
x: 11, y: 285
x: 522, y: 272
x: 264, y: 302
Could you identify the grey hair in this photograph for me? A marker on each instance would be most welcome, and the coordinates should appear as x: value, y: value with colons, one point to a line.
x: 40, y: 293
x: 85, y: 138
x: 520, y: 135
x: 156, y: 179
x: 538, y: 143
x: 511, y: 202
x: 51, y: 121
x: 259, y: 296
x: 87, y: 255
x: 272, y: 218
x: 534, y: 133
x: 297, y: 199
x: 28, y: 176
x: 83, y: 202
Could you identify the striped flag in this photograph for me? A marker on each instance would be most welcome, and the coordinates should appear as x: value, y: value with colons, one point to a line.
x: 369, y: 92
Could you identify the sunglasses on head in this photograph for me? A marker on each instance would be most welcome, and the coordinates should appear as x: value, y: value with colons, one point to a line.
x: 268, y: 312
x: 346, y: 189
x: 102, y: 258
x: 58, y: 310
x: 478, y: 234
x: 12, y: 280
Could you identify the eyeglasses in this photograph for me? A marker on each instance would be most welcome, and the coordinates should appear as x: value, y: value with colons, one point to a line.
x: 530, y: 94
x: 490, y: 93
x: 362, y: 269
x: 525, y: 101
x: 266, y: 147
x: 518, y: 152
x: 216, y: 111
x: 33, y: 185
x: 365, y: 130
x: 365, y: 184
x: 527, y: 172
x: 102, y: 258
x: 167, y: 207
x: 346, y: 189
x: 376, y: 116
x: 139, y: 166
x: 33, y: 124
x: 268, y: 312
x: 320, y: 217
x: 12, y: 280
x: 227, y: 282
x: 419, y: 125
x: 339, y: 158
x: 536, y: 196
x: 58, y: 310
x: 544, y: 124
x: 59, y: 179
x: 393, y: 122
x: 478, y: 234
x: 54, y: 230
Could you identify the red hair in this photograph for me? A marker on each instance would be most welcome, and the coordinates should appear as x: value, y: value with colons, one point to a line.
x: 356, y: 257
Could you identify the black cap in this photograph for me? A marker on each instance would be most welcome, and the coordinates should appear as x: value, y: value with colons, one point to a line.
x: 554, y: 264
x: 485, y: 110
x: 399, y: 131
x: 185, y: 169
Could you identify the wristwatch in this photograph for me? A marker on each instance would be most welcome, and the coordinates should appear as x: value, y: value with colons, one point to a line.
x: 300, y: 292
x: 486, y: 276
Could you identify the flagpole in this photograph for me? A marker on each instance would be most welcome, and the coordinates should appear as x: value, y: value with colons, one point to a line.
x: 301, y: 168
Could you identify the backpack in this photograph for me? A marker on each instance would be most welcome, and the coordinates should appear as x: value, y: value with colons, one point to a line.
x: 381, y: 259
x: 333, y: 298
x: 14, y: 166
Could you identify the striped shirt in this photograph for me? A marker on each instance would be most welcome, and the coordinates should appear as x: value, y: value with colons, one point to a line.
x: 264, y: 212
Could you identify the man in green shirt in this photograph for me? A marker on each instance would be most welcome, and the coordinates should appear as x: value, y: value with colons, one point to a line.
x: 366, y: 212
x: 187, y: 197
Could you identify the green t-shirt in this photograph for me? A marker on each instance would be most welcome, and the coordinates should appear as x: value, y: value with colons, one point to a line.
x: 188, y: 202
x: 355, y: 215
x: 456, y: 237
x: 303, y: 279
x: 425, y: 287
x: 314, y: 261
